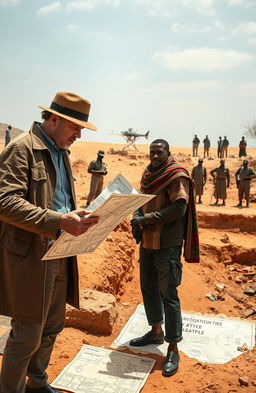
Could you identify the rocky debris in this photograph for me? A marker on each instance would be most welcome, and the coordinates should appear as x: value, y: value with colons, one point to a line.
x: 225, y: 239
x: 120, y: 152
x: 97, y: 312
x: 210, y: 296
x: 228, y: 261
x: 247, y: 312
x: 243, y: 380
x: 250, y: 289
x: 238, y: 279
x: 243, y: 348
x: 253, y: 197
x: 219, y: 287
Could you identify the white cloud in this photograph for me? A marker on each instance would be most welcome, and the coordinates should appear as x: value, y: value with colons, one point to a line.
x: 202, y: 59
x: 167, y: 88
x: 195, y: 27
x: 169, y: 14
x: 202, y: 6
x: 8, y: 3
x: 218, y: 24
x: 192, y: 28
x: 133, y: 75
x: 242, y: 3
x: 247, y: 88
x: 49, y: 8
x: 245, y: 28
x: 90, y: 4
x: 235, y: 2
x: 252, y: 41
x: 72, y: 28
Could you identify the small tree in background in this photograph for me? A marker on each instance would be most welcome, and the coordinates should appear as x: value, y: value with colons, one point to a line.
x: 251, y: 129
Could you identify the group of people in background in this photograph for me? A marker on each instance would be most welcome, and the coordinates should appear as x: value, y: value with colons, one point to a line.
x: 222, y: 147
x: 221, y: 181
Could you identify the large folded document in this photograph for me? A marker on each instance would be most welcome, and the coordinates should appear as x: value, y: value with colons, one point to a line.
x: 112, y: 206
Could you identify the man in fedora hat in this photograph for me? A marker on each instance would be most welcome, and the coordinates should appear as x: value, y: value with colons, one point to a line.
x: 97, y: 169
x: 37, y: 203
x: 244, y: 175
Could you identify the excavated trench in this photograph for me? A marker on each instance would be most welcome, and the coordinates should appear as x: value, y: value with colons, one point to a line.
x: 228, y: 237
x: 111, y: 266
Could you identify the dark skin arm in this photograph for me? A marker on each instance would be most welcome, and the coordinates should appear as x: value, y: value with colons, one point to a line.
x: 170, y: 213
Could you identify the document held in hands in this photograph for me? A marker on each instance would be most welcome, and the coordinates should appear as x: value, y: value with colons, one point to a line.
x: 112, y: 206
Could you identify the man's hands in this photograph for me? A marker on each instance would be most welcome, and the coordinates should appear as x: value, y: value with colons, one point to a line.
x: 137, y: 222
x: 76, y: 223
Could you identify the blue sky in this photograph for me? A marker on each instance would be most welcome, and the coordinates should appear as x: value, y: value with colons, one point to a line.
x: 174, y: 67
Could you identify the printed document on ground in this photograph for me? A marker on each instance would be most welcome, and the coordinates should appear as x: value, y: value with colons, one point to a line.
x: 99, y: 370
x: 210, y: 339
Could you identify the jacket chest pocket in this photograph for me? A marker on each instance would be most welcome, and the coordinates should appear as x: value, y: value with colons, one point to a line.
x: 38, y: 174
x: 40, y: 190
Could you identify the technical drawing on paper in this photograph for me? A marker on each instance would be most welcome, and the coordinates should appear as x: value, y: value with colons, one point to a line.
x: 208, y: 339
x: 99, y: 370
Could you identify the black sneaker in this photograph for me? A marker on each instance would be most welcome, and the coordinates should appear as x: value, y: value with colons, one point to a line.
x: 171, y: 364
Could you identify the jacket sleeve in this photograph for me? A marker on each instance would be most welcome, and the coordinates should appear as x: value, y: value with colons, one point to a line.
x: 172, y: 212
x: 91, y: 167
x: 15, y: 208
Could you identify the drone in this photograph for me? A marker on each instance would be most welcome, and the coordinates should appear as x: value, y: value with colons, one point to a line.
x: 131, y: 136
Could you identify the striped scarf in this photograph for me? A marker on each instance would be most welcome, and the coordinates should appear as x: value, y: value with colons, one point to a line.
x: 152, y: 182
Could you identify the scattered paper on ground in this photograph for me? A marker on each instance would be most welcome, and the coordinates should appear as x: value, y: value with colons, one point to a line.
x: 5, y: 328
x: 208, y: 339
x: 99, y: 370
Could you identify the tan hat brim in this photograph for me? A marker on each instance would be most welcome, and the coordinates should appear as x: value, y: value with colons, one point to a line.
x: 85, y: 124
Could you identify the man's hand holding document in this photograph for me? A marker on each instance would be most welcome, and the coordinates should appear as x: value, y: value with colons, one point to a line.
x: 112, y: 206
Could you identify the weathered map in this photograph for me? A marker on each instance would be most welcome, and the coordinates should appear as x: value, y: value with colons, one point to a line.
x: 206, y: 338
x: 5, y: 328
x: 99, y: 370
x: 112, y: 206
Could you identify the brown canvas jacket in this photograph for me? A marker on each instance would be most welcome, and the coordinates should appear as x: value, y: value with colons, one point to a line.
x: 27, y: 184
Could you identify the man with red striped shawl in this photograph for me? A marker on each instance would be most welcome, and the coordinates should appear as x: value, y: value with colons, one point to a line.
x: 163, y: 226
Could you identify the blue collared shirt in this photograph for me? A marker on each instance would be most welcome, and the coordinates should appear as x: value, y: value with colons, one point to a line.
x: 62, y: 201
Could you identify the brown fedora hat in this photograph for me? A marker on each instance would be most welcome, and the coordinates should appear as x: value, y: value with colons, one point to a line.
x: 72, y: 107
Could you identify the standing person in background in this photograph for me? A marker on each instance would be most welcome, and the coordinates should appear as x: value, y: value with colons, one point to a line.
x: 219, y: 147
x: 199, y: 177
x: 8, y: 135
x: 37, y: 203
x: 164, y: 221
x: 224, y: 147
x: 207, y: 145
x: 221, y: 182
x: 97, y: 169
x: 244, y: 176
x: 242, y: 147
x: 195, y: 144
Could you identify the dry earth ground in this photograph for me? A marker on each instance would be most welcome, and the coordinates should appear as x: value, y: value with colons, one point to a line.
x: 227, y: 236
